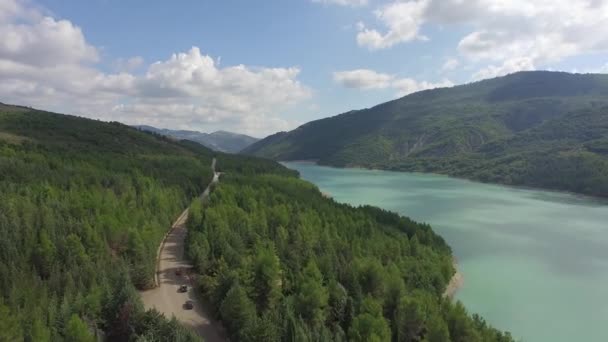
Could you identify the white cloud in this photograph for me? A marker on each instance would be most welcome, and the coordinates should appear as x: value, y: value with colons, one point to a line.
x: 242, y: 98
x: 450, y: 64
x: 45, y: 43
x: 8, y: 8
x: 363, y: 79
x: 11, y: 8
x: 48, y: 63
x: 366, y: 79
x: 407, y: 86
x: 403, y: 21
x: 543, y: 31
x: 508, y: 67
x: 351, y: 3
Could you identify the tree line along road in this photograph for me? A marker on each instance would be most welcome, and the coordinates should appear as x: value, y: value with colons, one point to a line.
x: 166, y: 297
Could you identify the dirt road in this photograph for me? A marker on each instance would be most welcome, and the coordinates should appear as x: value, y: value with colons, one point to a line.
x: 166, y: 298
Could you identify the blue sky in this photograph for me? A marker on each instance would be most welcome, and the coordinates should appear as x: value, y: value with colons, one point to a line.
x: 262, y: 66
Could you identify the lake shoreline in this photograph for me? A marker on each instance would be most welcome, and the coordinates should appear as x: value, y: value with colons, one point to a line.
x: 520, y: 252
x: 457, y: 280
x: 578, y: 195
x: 455, y: 284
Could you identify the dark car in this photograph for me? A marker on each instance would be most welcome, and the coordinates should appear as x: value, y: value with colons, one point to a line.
x: 189, y: 305
x: 183, y: 288
x: 178, y: 272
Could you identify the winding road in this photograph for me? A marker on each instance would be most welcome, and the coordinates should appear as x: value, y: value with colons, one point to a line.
x: 165, y: 297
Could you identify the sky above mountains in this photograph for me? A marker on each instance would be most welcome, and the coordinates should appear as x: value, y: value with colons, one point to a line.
x: 258, y: 67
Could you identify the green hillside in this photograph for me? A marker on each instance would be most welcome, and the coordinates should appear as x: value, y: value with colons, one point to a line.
x: 85, y: 205
x: 544, y: 129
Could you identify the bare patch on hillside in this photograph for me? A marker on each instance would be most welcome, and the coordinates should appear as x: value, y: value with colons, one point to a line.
x: 13, y: 138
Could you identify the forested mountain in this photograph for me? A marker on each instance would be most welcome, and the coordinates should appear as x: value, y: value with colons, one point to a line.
x: 85, y: 205
x: 219, y: 141
x: 544, y: 129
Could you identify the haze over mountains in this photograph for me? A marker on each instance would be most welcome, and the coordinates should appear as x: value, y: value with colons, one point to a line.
x: 222, y: 141
x: 542, y: 129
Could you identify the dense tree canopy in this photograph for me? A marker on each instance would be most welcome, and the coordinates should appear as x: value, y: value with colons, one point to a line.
x: 280, y: 262
x: 84, y: 207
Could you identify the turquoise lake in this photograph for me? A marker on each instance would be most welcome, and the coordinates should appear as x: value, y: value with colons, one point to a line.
x: 535, y: 262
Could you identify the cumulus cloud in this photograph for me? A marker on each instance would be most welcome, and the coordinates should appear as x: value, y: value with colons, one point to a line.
x: 501, y: 32
x: 366, y: 79
x: 192, y: 74
x: 47, y: 63
x: 541, y: 30
x: 403, y: 21
x: 351, y: 3
x: 244, y: 98
x: 45, y: 43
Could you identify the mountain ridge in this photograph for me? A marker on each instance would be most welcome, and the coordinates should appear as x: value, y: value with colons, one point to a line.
x: 502, y: 130
x: 223, y: 141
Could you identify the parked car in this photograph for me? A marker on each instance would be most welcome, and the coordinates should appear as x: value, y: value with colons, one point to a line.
x: 183, y: 288
x: 189, y: 305
x: 178, y: 272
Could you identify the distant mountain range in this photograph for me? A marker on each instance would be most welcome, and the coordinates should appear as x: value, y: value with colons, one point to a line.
x: 541, y: 129
x: 220, y: 141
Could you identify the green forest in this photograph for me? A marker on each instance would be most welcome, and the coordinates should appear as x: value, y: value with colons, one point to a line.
x: 84, y: 207
x: 278, y: 261
x: 86, y: 203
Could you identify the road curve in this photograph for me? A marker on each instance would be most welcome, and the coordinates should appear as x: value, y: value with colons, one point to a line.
x: 166, y: 298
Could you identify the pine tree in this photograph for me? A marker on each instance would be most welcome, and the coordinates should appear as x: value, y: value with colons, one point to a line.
x: 77, y: 331
x: 312, y: 296
x: 238, y: 312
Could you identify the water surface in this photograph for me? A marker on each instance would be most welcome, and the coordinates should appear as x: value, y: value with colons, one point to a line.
x: 535, y: 262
